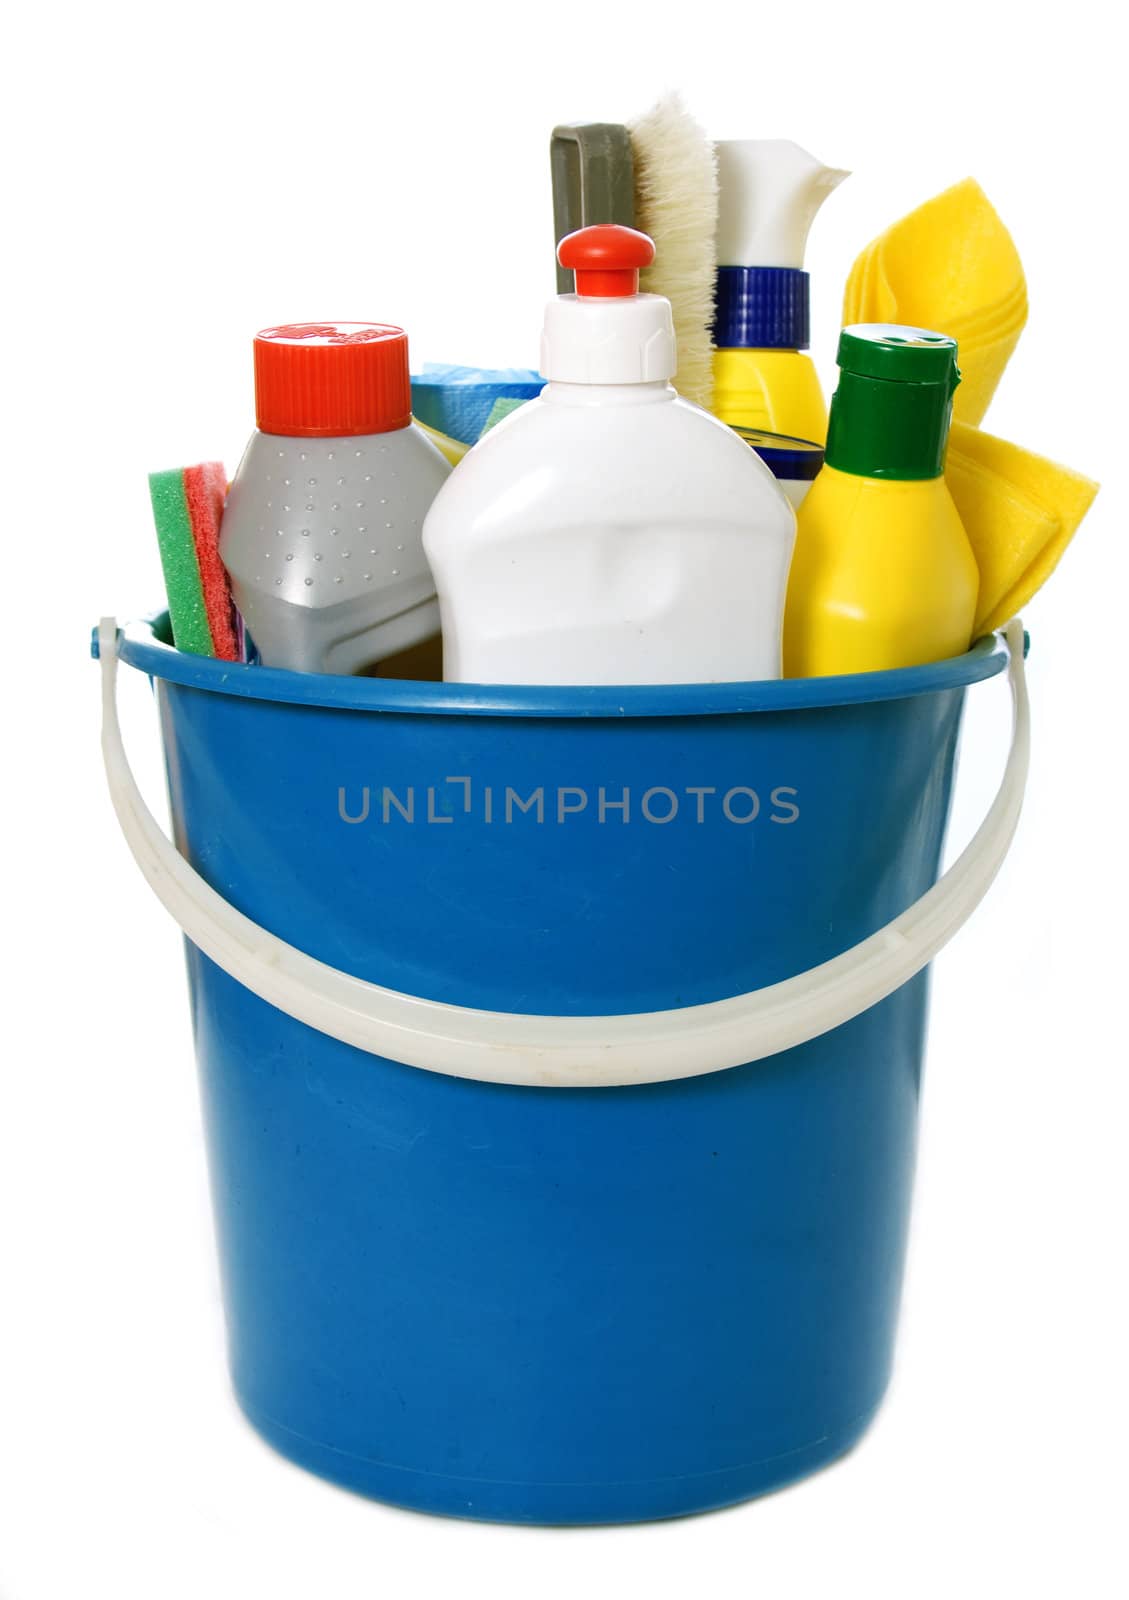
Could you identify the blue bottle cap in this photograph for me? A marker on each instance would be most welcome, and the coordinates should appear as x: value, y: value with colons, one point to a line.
x: 785, y: 457
x: 762, y: 308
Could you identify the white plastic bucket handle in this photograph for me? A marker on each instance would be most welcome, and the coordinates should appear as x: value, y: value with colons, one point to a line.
x: 567, y: 1052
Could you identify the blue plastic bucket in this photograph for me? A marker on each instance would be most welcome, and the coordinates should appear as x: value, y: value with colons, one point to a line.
x: 571, y: 1304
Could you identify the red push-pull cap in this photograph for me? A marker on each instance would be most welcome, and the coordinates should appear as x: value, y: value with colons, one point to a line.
x: 606, y: 259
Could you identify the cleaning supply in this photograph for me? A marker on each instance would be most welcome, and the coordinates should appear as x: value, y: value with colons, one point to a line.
x: 499, y: 411
x: 770, y: 191
x: 321, y: 534
x: 610, y: 532
x: 593, y: 173
x: 883, y: 575
x: 187, y: 507
x: 676, y: 205
x: 457, y: 400
x: 794, y: 463
x: 537, y: 1296
x: 453, y: 449
x: 1020, y: 512
x: 950, y: 264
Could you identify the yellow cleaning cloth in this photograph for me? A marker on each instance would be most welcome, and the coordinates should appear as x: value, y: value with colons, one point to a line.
x: 1019, y: 511
x: 453, y: 449
x: 949, y: 265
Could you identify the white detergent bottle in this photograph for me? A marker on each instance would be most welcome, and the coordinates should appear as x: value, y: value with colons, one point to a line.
x: 321, y: 531
x: 609, y: 532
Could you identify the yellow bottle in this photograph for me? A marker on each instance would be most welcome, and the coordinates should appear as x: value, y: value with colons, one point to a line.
x: 769, y: 191
x: 883, y: 574
x: 770, y: 391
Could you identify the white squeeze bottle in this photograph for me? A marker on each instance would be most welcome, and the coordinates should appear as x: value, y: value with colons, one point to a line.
x: 321, y: 530
x: 610, y: 532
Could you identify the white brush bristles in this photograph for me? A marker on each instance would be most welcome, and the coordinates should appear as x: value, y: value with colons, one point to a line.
x: 676, y: 203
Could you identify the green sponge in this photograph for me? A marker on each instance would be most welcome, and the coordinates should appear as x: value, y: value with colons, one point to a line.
x: 187, y: 510
x: 498, y: 411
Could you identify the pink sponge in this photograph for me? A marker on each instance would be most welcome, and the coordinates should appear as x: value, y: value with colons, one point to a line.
x: 205, y: 489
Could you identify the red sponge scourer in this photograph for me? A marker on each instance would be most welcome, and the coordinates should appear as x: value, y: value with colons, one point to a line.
x: 188, y: 507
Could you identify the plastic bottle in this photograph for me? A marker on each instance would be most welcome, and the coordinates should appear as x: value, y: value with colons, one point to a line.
x: 770, y: 190
x: 883, y: 574
x: 610, y: 532
x: 321, y: 531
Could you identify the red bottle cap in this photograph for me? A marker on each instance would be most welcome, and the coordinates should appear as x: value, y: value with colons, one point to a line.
x: 606, y: 259
x: 332, y: 379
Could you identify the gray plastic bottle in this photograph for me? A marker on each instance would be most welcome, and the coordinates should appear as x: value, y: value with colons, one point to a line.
x: 321, y: 531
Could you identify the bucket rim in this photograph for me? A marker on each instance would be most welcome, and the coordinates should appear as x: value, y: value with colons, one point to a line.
x: 144, y: 644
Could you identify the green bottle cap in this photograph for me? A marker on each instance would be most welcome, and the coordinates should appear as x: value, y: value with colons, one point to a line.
x: 890, y: 414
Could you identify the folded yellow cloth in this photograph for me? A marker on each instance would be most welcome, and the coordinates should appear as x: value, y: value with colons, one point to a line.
x: 1019, y: 511
x: 950, y: 265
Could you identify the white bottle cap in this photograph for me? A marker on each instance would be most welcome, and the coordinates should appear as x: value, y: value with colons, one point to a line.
x: 607, y: 332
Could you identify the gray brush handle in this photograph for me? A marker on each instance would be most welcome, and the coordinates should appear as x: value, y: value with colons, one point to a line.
x: 593, y: 181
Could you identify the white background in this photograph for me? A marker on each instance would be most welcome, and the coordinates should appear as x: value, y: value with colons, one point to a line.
x: 184, y: 176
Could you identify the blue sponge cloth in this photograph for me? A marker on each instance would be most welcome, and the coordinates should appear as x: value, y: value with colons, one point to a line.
x: 458, y: 400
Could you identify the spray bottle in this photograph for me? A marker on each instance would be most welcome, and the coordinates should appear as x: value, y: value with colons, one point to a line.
x: 763, y: 379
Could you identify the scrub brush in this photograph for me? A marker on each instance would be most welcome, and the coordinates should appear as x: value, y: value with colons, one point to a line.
x: 187, y: 508
x: 676, y: 203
